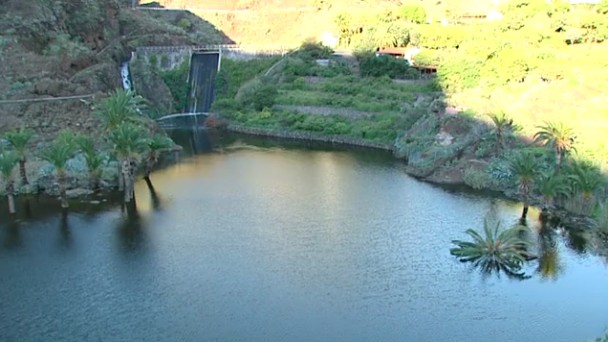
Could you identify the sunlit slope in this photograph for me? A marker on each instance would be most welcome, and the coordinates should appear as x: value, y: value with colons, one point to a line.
x: 579, y: 100
x: 278, y: 22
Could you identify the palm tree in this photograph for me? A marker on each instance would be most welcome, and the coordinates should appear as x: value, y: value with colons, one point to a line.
x: 498, y: 250
x: 525, y: 169
x: 586, y: 179
x: 58, y: 153
x: 552, y: 186
x: 8, y: 161
x: 129, y: 141
x: 559, y: 137
x: 503, y: 125
x: 92, y: 157
x: 19, y: 140
x: 120, y: 106
x: 156, y: 146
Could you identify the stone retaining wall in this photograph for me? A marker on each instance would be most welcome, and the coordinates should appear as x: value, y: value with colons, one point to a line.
x: 308, y: 136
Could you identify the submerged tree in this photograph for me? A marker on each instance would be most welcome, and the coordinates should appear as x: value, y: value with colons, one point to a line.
x: 19, y: 140
x: 559, y: 137
x: 58, y: 153
x: 499, y: 250
x: 525, y: 169
x: 129, y: 143
x: 8, y: 161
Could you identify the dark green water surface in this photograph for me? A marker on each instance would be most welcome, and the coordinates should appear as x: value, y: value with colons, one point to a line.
x: 262, y: 242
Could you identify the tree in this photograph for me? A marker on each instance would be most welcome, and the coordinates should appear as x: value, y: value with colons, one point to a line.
x: 156, y: 146
x: 93, y: 158
x: 19, y: 140
x: 525, y: 169
x: 58, y: 153
x: 129, y: 142
x: 552, y: 186
x: 413, y: 13
x: 502, y: 126
x: 120, y: 106
x: 498, y: 250
x: 585, y: 180
x: 8, y: 161
x: 558, y: 137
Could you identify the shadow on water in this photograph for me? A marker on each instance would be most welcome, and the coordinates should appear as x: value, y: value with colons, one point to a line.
x: 12, y: 234
x: 65, y: 234
x: 130, y: 228
x: 193, y: 140
x: 154, y: 199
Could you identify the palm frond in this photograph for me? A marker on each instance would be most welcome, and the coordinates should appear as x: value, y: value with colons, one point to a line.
x: 499, y: 250
x: 8, y: 161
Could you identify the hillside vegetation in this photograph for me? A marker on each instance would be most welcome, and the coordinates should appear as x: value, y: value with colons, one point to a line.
x: 535, y: 61
x: 52, y: 49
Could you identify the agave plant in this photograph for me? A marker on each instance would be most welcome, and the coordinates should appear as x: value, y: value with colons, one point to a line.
x: 498, y: 250
x: 19, y: 140
x: 130, y: 142
x: 93, y: 158
x: 525, y: 168
x: 58, y: 153
x: 559, y: 137
x: 8, y: 161
x: 156, y: 146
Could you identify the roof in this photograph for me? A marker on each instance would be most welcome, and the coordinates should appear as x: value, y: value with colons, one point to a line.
x: 394, y: 51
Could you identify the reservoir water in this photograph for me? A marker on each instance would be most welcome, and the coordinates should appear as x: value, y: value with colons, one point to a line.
x: 259, y: 241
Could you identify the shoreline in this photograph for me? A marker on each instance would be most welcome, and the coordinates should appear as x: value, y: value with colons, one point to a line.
x: 307, y: 136
x: 565, y: 218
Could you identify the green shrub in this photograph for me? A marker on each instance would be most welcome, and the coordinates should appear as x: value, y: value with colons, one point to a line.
x: 184, y: 24
x: 413, y: 13
x: 476, y: 179
x: 312, y: 50
x: 377, y: 66
x: 177, y: 81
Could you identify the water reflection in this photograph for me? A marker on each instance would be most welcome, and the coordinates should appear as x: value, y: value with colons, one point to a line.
x: 549, y: 264
x: 27, y: 208
x: 193, y: 141
x: 12, y: 234
x: 154, y: 199
x: 130, y: 228
x: 576, y: 239
x: 65, y: 234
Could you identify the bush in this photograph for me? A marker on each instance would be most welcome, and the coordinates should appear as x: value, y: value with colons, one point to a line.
x: 177, y: 82
x: 264, y: 96
x: 312, y: 51
x: 377, y: 66
x: 413, y: 13
x: 476, y: 179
